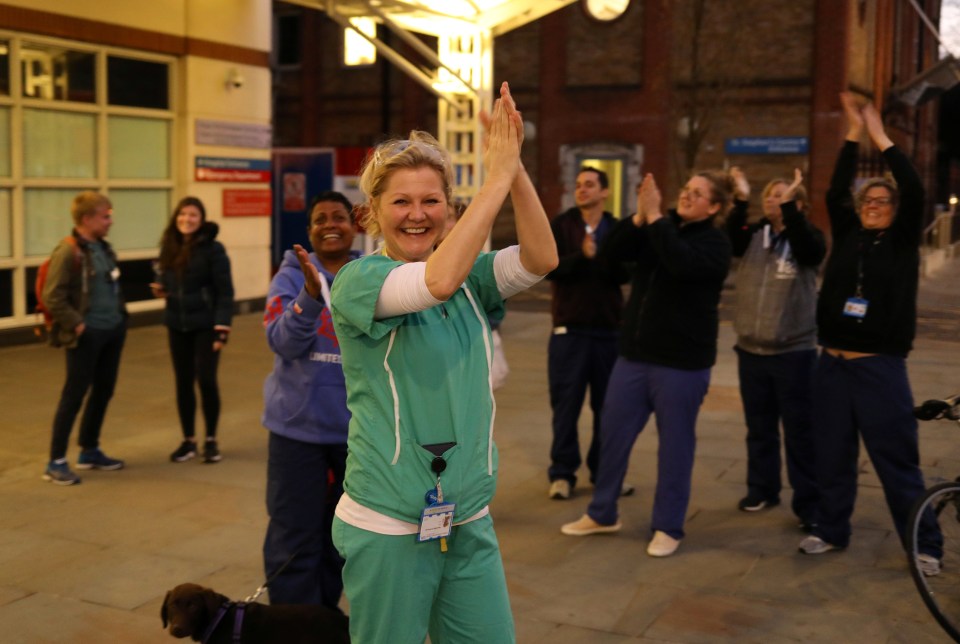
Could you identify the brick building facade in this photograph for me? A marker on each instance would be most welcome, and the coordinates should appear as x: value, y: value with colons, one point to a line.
x: 663, y: 75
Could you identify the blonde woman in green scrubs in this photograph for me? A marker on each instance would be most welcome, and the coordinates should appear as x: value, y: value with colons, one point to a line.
x: 413, y: 524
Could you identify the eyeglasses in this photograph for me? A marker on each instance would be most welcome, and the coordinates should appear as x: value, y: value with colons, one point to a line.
x: 876, y: 201
x: 693, y: 193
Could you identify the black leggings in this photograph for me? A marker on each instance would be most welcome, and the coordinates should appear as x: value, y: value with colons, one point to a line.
x: 195, y: 360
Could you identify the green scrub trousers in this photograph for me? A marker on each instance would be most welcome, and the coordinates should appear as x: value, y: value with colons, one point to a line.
x: 400, y: 589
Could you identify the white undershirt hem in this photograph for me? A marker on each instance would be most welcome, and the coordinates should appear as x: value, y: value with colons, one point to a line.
x: 360, y: 516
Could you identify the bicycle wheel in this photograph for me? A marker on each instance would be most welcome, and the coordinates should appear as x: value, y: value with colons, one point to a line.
x: 941, y: 593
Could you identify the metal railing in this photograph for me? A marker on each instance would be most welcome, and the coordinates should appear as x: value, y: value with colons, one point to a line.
x: 944, y: 231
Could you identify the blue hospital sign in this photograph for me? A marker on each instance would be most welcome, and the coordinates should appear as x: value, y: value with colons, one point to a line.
x: 767, y: 145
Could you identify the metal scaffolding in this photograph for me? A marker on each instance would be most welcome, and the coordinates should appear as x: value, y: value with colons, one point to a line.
x: 461, y: 72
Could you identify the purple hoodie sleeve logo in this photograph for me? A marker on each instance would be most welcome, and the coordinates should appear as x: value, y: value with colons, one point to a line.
x: 326, y: 327
x: 273, y: 311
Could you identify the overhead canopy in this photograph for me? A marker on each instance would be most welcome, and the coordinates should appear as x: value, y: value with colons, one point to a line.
x: 444, y: 17
x: 459, y: 73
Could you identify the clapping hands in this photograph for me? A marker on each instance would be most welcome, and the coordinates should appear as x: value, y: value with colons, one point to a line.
x: 867, y: 115
x: 791, y: 191
x: 503, y: 135
x: 310, y: 273
x: 741, y: 185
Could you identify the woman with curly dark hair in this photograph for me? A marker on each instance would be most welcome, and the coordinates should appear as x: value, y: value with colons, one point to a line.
x: 668, y: 345
x: 193, y: 274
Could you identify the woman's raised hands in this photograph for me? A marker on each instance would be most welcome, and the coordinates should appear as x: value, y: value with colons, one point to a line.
x: 649, y: 202
x: 874, y: 123
x: 740, y: 183
x: 504, y: 135
x: 851, y: 107
x: 791, y: 191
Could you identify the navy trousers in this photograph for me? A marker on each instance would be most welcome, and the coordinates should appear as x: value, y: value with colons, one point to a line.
x: 674, y: 396
x: 577, y: 361
x: 870, y: 398
x: 91, y: 366
x: 776, y: 388
x: 301, y: 500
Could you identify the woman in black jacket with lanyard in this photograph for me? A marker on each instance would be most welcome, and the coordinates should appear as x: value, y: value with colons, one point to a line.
x: 668, y: 345
x: 193, y: 274
x: 866, y: 316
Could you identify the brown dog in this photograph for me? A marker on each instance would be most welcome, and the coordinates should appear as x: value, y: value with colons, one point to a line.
x: 191, y: 609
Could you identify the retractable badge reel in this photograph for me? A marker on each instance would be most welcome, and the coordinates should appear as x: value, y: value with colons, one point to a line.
x: 436, y: 520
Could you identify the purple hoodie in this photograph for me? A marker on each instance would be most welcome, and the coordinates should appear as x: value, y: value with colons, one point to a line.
x: 305, y: 396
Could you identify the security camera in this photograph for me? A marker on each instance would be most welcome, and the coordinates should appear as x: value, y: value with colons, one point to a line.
x: 235, y: 79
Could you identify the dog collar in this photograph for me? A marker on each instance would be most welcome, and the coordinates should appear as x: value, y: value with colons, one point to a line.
x: 216, y: 622
x: 238, y: 622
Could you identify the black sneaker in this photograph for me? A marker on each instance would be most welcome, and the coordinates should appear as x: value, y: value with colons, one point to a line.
x: 94, y: 459
x: 186, y: 451
x: 211, y: 453
x: 58, y: 473
x: 751, y: 503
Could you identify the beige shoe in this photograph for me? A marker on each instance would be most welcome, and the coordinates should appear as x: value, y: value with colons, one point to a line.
x: 586, y: 526
x: 560, y: 489
x: 662, y: 545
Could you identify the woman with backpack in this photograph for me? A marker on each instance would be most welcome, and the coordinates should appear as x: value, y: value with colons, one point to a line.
x: 193, y: 274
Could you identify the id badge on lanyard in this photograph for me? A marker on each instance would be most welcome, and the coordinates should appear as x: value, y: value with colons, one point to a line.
x: 436, y: 519
x: 856, y: 307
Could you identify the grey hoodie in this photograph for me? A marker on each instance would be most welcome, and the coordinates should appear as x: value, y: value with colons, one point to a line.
x: 776, y: 282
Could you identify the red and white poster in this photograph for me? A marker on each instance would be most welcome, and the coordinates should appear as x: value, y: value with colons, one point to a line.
x: 246, y: 203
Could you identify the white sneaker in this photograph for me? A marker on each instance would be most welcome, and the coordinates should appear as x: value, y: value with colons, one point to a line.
x: 585, y: 526
x: 814, y: 545
x: 662, y: 545
x: 928, y: 565
x: 560, y: 489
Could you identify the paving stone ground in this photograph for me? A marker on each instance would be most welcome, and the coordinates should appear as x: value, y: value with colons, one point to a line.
x: 91, y: 563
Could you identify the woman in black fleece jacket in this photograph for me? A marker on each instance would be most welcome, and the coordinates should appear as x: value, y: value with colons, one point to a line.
x: 193, y: 274
x: 668, y: 345
x: 866, y: 315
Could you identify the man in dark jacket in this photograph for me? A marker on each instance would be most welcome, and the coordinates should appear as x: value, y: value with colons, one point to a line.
x: 586, y: 313
x: 82, y: 293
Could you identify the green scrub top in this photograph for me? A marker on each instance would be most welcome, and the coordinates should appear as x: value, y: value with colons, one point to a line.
x: 417, y: 379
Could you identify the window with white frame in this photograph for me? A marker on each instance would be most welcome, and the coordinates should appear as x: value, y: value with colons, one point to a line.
x: 74, y: 117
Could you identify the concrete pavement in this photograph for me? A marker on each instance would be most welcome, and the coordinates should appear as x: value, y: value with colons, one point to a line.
x: 91, y: 563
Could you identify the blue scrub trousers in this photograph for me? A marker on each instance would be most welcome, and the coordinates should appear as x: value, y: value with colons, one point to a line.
x: 867, y: 397
x: 776, y: 388
x: 301, y: 501
x: 636, y: 390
